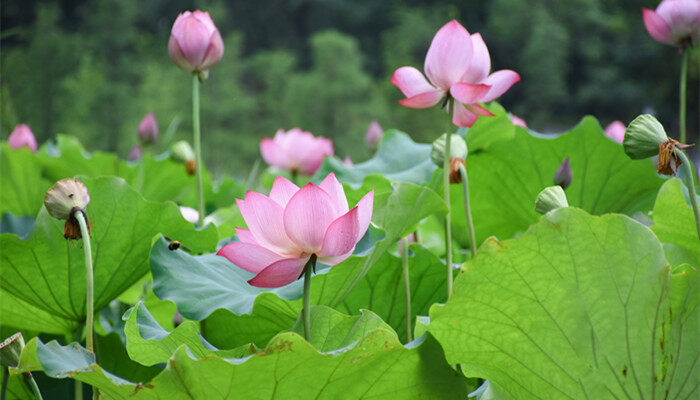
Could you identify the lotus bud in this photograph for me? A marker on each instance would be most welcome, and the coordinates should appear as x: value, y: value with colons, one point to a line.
x: 195, y: 43
x: 10, y: 350
x: 643, y: 137
x: 550, y: 199
x: 189, y: 214
x: 148, y: 129
x: 135, y: 153
x: 63, y: 200
x: 373, y: 135
x: 563, y: 174
x: 458, y: 149
x: 178, y: 319
x: 347, y: 161
x: 22, y: 136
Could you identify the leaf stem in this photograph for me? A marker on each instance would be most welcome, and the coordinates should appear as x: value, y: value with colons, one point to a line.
x: 683, y: 88
x: 197, y: 146
x: 5, y: 378
x: 306, y: 312
x: 467, y: 209
x: 688, y: 166
x: 90, y: 289
x: 406, y: 288
x: 448, y: 227
x: 31, y: 384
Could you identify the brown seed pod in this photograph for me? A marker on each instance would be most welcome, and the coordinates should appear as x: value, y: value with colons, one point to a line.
x: 455, y: 176
x: 190, y: 166
x: 668, y: 160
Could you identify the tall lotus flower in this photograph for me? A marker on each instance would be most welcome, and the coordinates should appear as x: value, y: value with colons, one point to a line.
x: 457, y: 66
x: 288, y: 227
x: 374, y: 134
x: 148, y: 129
x: 195, y: 43
x: 616, y: 131
x: 22, y: 136
x: 675, y: 22
x: 296, y: 151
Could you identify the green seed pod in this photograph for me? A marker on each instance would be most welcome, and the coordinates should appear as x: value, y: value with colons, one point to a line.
x: 550, y: 199
x: 10, y: 349
x: 643, y: 137
x: 458, y: 149
x: 181, y: 151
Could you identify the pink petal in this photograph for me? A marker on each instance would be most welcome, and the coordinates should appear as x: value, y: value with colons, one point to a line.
x: 657, y: 27
x: 245, y: 236
x: 616, y: 131
x: 337, y: 259
x: 500, y: 82
x: 193, y: 37
x: 280, y: 273
x: 177, y: 56
x: 468, y: 93
x: 335, y: 189
x: 411, y: 82
x: 448, y: 56
x: 283, y: 190
x: 423, y: 100
x: 307, y: 217
x: 214, y: 52
x: 479, y: 110
x: 249, y: 257
x: 264, y: 218
x: 364, y: 212
x: 480, y: 64
x: 320, y: 148
x: 269, y: 151
x: 462, y: 117
x: 342, y: 235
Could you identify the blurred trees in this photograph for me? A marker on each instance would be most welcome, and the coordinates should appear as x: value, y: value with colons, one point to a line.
x: 94, y: 69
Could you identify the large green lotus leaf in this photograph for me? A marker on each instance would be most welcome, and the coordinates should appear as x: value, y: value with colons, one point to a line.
x: 376, y: 366
x: 674, y: 224
x: 577, y: 307
x: 487, y: 131
x: 113, y: 356
x: 505, y: 178
x: 48, y: 272
x: 23, y: 187
x: 398, y: 158
x: 24, y: 315
x: 68, y: 158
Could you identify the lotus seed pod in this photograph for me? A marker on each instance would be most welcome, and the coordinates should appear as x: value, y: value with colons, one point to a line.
x: 181, y: 151
x: 550, y: 199
x: 458, y: 149
x: 643, y: 137
x: 10, y: 350
x: 65, y: 197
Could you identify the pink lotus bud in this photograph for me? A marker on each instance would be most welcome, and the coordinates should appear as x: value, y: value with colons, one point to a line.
x: 563, y: 175
x: 296, y: 151
x: 616, y: 131
x: 292, y: 224
x: 374, y: 135
x: 148, y: 129
x: 518, y: 121
x: 195, y: 44
x: 347, y: 161
x: 135, y: 153
x: 22, y: 136
x: 457, y: 66
x: 190, y: 214
x: 675, y: 22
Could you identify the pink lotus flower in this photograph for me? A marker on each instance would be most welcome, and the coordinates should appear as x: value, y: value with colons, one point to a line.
x: 22, y: 136
x: 616, y: 131
x: 195, y: 43
x: 296, y: 151
x: 285, y: 229
x: 348, y: 161
x: 518, y: 121
x: 374, y: 134
x: 675, y: 22
x: 135, y: 153
x: 457, y: 66
x: 148, y: 128
x: 190, y: 214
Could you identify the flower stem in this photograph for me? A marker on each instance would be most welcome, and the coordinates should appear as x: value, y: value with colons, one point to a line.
x: 197, y: 146
x: 31, y: 384
x: 467, y: 209
x: 683, y: 87
x: 448, y: 227
x: 90, y: 289
x: 306, y: 312
x: 406, y: 288
x: 5, y: 378
x: 688, y: 166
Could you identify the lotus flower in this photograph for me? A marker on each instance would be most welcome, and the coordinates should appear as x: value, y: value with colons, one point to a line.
x: 457, y: 66
x: 135, y: 153
x: 616, y: 131
x: 518, y: 121
x: 675, y: 22
x: 190, y: 214
x: 374, y: 135
x: 22, y: 136
x: 195, y: 44
x: 296, y: 151
x: 148, y: 129
x: 290, y: 225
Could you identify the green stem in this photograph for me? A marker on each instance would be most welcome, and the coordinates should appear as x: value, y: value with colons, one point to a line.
x: 90, y: 288
x: 252, y: 175
x: 467, y: 209
x: 306, y: 312
x: 684, y: 80
x: 78, y: 386
x: 197, y: 146
x: 5, y: 378
x: 31, y: 384
x: 406, y: 288
x: 688, y: 166
x: 141, y: 172
x: 448, y: 227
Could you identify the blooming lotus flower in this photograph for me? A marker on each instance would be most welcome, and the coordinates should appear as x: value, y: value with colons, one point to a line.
x: 148, y: 129
x: 374, y: 134
x: 616, y: 131
x: 22, y: 136
x: 135, y: 153
x: 195, y: 44
x: 296, y: 151
x: 290, y: 225
x: 190, y: 214
x: 675, y: 22
x: 457, y: 66
x: 518, y: 121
